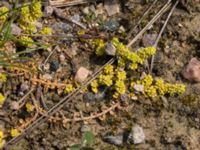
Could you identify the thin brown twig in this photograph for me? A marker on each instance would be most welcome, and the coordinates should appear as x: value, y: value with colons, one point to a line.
x: 64, y: 3
x: 22, y: 101
x: 34, y: 117
x: 94, y: 116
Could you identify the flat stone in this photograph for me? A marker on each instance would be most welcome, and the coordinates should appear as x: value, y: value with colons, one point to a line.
x: 112, y: 7
x: 48, y: 11
x: 149, y: 39
x: 137, y: 135
x: 82, y: 74
x: 191, y: 71
x: 110, y: 49
x: 15, y: 30
x: 116, y: 140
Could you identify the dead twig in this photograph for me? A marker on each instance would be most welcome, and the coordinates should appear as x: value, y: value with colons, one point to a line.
x: 82, y: 118
x: 22, y: 101
x: 64, y: 3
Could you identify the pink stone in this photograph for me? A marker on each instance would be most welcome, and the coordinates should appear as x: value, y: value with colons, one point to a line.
x: 192, y: 70
x: 81, y: 74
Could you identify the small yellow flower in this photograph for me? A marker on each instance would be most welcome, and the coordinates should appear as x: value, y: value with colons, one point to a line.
x: 94, y: 86
x: 2, y: 99
x: 106, y: 80
x: 2, y: 141
x: 29, y: 107
x: 3, y: 14
x: 151, y: 91
x: 100, y: 46
x: 26, y: 41
x: 3, y: 77
x: 69, y: 88
x: 14, y: 132
x: 46, y: 31
x: 147, y: 81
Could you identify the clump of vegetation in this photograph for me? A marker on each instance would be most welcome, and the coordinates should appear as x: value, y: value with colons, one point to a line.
x: 116, y: 78
x: 29, y: 14
x: 154, y: 88
x: 3, y: 14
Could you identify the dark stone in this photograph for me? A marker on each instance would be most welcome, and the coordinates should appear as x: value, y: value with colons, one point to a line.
x: 111, y: 25
x: 54, y: 65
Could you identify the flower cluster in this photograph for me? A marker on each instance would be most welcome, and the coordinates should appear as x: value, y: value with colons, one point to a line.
x: 26, y: 41
x: 14, y: 132
x: 29, y: 15
x: 2, y: 99
x: 29, y: 107
x: 117, y: 77
x: 100, y: 46
x: 159, y: 87
x: 125, y: 55
x: 69, y: 88
x: 2, y: 141
x: 46, y: 31
x: 120, y: 87
x: 106, y: 78
x: 3, y: 77
x: 3, y: 14
x: 94, y: 86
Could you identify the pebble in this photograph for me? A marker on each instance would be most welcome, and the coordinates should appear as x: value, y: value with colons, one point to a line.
x: 116, y: 140
x: 24, y: 87
x: 111, y: 25
x: 85, y: 128
x: 149, y: 39
x: 15, y: 30
x: 86, y: 10
x: 47, y: 76
x: 61, y: 26
x: 62, y: 58
x: 124, y: 97
x: 82, y: 74
x: 100, y: 96
x: 46, y: 67
x: 99, y: 9
x: 76, y: 17
x: 110, y: 49
x: 112, y: 7
x: 14, y: 105
x: 88, y: 97
x: 54, y: 65
x: 137, y: 135
x: 192, y: 70
x: 38, y: 25
x: 48, y: 11
x: 138, y: 87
